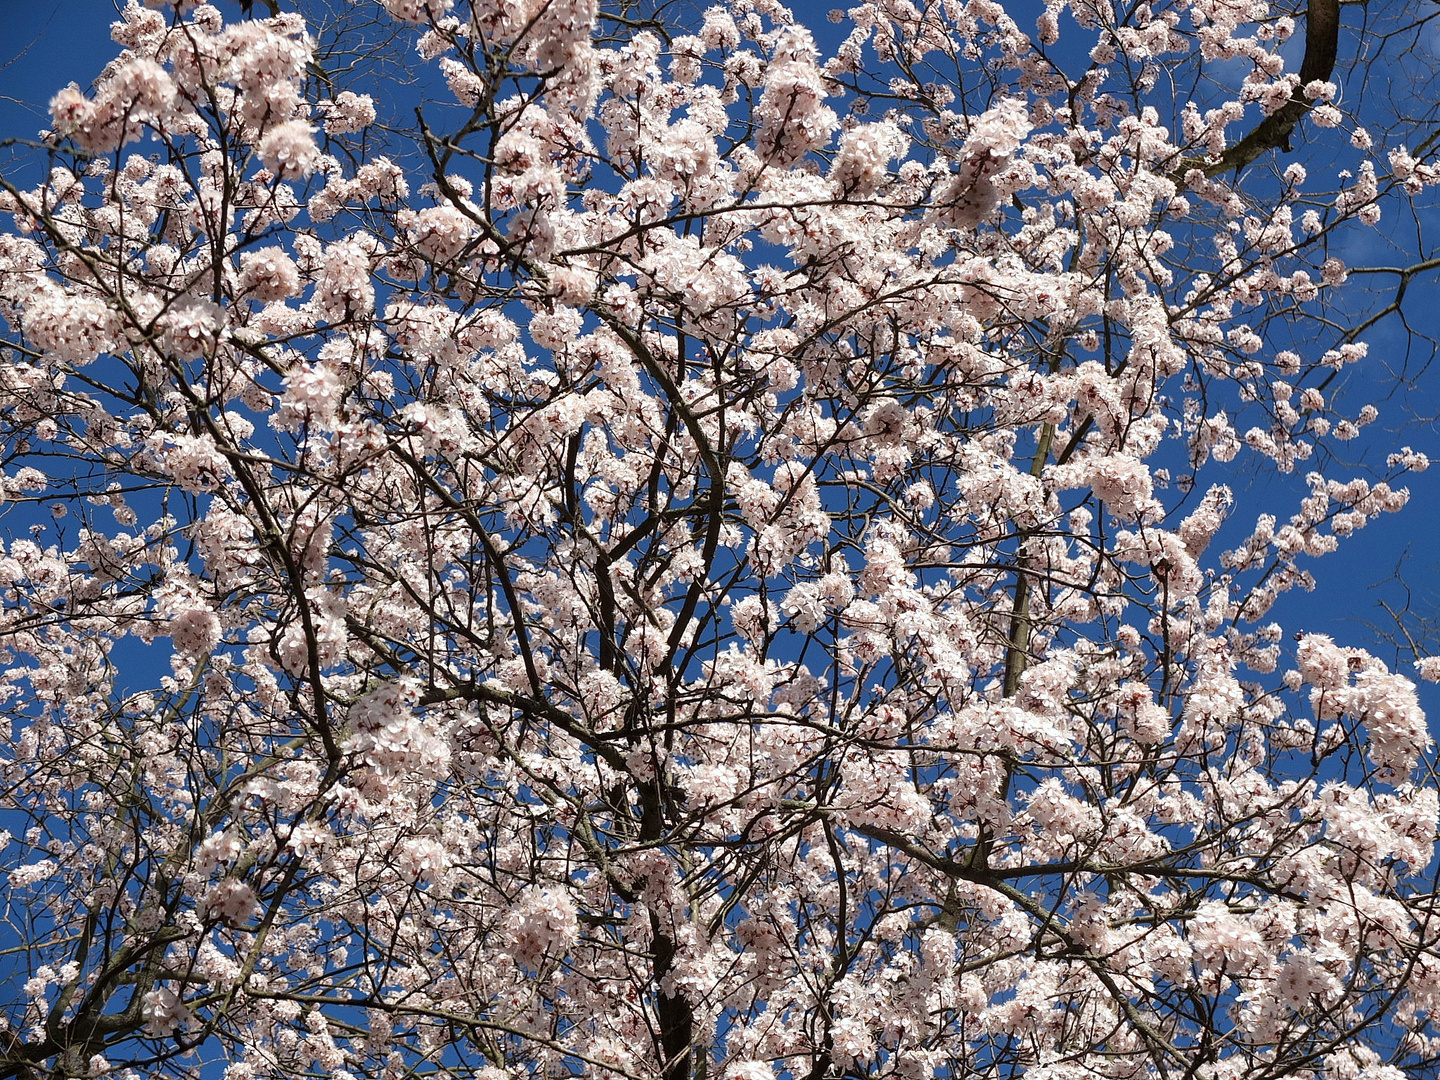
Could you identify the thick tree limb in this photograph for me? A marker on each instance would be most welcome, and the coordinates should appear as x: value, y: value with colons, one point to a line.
x: 1322, y: 43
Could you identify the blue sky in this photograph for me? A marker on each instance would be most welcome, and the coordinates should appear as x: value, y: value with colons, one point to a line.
x: 43, y: 45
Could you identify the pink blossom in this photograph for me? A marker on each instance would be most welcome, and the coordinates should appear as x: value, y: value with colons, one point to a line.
x: 230, y: 901
x: 417, y: 10
x: 195, y: 631
x: 268, y: 274
x: 349, y: 113
x: 289, y: 149
x: 421, y: 860
x: 311, y: 399
x: 541, y: 925
x: 794, y: 118
x: 163, y: 1011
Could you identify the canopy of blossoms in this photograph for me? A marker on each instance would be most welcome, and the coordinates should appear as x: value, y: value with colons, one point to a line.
x: 556, y: 537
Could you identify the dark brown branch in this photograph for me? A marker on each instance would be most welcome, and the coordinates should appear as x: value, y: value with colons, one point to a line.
x: 1322, y: 43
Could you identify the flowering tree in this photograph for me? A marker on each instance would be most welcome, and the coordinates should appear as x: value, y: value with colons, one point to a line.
x: 659, y: 550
